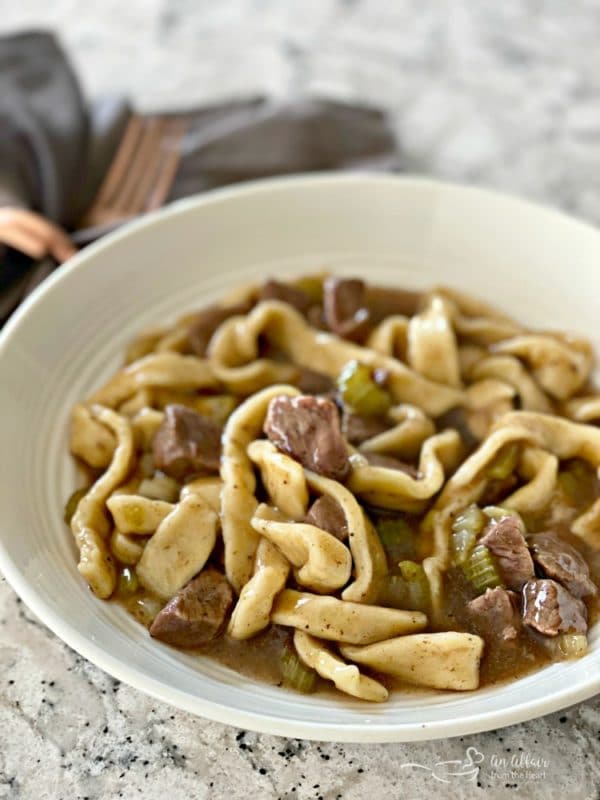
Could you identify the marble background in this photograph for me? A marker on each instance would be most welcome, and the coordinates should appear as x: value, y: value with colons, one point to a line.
x: 505, y: 94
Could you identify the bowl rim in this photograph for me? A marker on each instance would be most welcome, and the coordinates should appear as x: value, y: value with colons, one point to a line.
x: 263, y: 722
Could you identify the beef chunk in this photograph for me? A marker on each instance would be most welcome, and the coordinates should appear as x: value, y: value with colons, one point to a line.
x: 507, y: 544
x: 551, y: 609
x: 315, y: 317
x: 186, y: 443
x: 344, y: 308
x: 275, y: 290
x: 327, y: 514
x: 357, y: 429
x: 312, y: 382
x: 563, y: 563
x: 308, y: 429
x: 206, y: 323
x: 198, y: 612
x: 390, y: 462
x: 497, y: 614
x: 384, y: 301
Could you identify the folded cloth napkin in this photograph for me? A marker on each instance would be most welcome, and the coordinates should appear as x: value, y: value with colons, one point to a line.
x: 89, y: 167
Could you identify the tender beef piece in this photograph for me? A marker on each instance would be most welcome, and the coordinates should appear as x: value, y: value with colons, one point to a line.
x: 357, y: 429
x: 312, y: 382
x: 308, y: 429
x: 186, y: 443
x: 507, y: 544
x: 551, y: 609
x: 344, y: 308
x: 198, y: 612
x: 497, y: 614
x: 327, y: 514
x: 390, y: 462
x: 206, y: 323
x: 563, y: 563
x: 275, y: 290
x: 383, y: 301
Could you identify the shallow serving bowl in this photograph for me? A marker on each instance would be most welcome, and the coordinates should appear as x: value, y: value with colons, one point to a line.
x: 540, y: 266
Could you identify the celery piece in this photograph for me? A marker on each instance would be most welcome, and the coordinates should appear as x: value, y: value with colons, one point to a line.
x: 393, y: 592
x: 128, y: 581
x: 504, y: 463
x: 472, y: 519
x: 417, y: 585
x: 397, y: 538
x: 572, y: 645
x: 480, y: 569
x: 496, y: 513
x: 360, y: 392
x: 463, y: 541
x: 295, y: 673
x: 465, y: 529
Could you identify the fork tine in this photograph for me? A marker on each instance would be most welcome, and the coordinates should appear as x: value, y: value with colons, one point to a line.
x: 120, y: 165
x: 141, y: 169
x: 171, y: 152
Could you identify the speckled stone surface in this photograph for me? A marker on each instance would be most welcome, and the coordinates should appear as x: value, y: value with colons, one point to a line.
x: 505, y: 94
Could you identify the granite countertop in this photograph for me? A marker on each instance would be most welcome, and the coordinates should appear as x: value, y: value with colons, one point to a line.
x: 502, y: 94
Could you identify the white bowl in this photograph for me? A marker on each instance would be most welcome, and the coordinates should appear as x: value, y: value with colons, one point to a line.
x: 68, y: 338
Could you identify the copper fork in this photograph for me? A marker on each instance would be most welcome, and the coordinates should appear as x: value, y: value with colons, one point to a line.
x: 142, y: 171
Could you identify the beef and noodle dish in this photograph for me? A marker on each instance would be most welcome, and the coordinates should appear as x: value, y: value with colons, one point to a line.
x: 324, y: 482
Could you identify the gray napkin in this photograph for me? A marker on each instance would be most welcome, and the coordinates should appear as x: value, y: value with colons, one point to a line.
x: 55, y: 148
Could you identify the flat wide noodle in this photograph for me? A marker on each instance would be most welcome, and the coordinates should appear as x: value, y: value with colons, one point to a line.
x: 126, y: 549
x: 405, y: 438
x: 540, y: 469
x: 390, y: 337
x: 179, y: 549
x: 559, y: 364
x: 368, y: 555
x: 583, y: 409
x: 238, y: 502
x: 346, y: 677
x: 234, y: 351
x: 282, y: 477
x: 323, y: 563
x: 252, y: 612
x: 447, y: 660
x: 90, y: 525
x: 89, y: 439
x: 208, y: 489
x: 163, y: 369
x: 587, y: 526
x: 395, y: 489
x: 133, y: 513
x: 341, y: 621
x: 510, y: 370
x: 432, y: 349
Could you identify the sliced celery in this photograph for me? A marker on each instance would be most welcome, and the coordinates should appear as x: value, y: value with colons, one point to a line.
x: 397, y: 538
x: 359, y: 390
x: 128, y: 581
x: 295, y: 673
x: 480, y: 569
x: 504, y: 463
